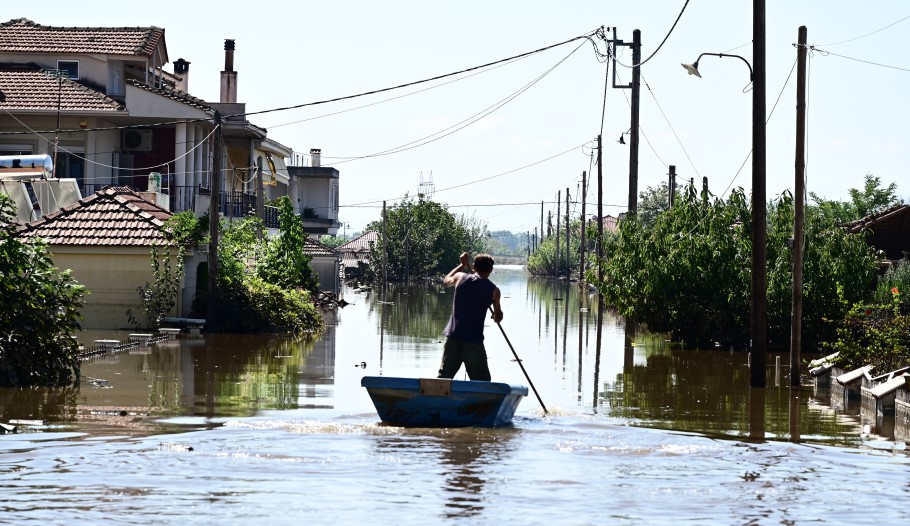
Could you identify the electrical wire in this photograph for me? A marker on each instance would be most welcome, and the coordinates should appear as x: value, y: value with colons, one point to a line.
x: 683, y: 10
x: 588, y: 36
x: 354, y: 205
x: 423, y: 141
x: 678, y: 140
x: 826, y: 53
x: 642, y: 130
x: 868, y: 34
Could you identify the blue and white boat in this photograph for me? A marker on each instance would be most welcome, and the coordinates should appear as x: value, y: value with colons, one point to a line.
x: 440, y: 402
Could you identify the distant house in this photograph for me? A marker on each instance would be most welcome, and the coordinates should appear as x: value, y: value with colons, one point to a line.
x: 314, y: 194
x: 888, y: 231
x: 325, y: 262
x: 106, y: 240
x: 356, y: 252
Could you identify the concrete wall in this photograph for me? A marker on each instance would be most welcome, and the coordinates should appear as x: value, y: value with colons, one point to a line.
x: 111, y: 275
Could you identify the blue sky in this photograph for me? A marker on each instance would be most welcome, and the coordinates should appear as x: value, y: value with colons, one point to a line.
x: 498, y: 168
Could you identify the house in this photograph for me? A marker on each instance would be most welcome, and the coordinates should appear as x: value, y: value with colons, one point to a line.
x: 888, y: 231
x: 314, y: 195
x: 106, y: 240
x: 356, y: 253
x: 99, y: 101
x: 325, y: 262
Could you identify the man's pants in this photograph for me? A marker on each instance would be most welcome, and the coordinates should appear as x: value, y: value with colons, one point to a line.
x: 472, y: 355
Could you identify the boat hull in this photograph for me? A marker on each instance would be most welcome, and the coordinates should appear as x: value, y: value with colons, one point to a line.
x: 440, y: 402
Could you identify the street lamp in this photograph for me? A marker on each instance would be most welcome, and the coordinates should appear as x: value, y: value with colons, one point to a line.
x: 693, y: 67
x: 758, y: 317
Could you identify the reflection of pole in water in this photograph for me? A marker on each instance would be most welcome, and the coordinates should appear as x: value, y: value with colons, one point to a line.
x: 757, y: 413
x: 381, y: 331
x: 794, y: 415
x: 600, y: 319
x: 565, y: 324
x: 581, y: 319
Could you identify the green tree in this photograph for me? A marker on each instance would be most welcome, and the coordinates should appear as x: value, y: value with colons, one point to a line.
x: 544, y: 261
x: 871, y: 198
x: 422, y: 239
x: 333, y: 241
x: 40, y: 314
x: 284, y: 262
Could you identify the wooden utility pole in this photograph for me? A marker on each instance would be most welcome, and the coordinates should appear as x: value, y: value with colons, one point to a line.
x: 211, y: 317
x: 672, y: 185
x: 796, y: 318
x: 633, y: 129
x: 385, y: 250
x: 600, y: 247
x: 704, y: 189
x: 584, y: 224
x: 541, y: 223
x: 558, y: 205
x: 759, y: 315
x: 259, y: 196
x: 568, y: 244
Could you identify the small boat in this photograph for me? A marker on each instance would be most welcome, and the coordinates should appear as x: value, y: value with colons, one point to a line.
x: 440, y: 402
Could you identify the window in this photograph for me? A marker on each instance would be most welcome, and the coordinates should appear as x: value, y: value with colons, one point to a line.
x: 70, y: 68
x: 70, y: 165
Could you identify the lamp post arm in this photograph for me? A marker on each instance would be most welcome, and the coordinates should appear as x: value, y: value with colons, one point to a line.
x: 722, y: 55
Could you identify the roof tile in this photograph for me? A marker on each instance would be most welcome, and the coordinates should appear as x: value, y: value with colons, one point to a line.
x: 21, y: 35
x: 28, y: 87
x: 114, y: 216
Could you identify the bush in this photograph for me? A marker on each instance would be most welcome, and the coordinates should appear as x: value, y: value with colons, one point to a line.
x: 40, y: 311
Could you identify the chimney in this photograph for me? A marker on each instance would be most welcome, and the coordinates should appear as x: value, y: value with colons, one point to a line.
x: 182, y: 70
x: 229, y: 76
x: 315, y: 157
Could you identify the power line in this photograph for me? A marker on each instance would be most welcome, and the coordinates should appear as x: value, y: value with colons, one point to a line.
x: 683, y: 10
x: 826, y: 53
x: 588, y: 36
x: 868, y: 34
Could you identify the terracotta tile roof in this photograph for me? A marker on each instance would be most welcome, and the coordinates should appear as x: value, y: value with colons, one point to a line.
x: 174, y: 94
x: 21, y: 35
x: 27, y: 87
x: 360, y: 243
x: 114, y: 216
x: 311, y: 247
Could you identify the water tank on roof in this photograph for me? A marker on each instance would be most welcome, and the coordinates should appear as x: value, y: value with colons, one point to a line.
x: 23, y: 167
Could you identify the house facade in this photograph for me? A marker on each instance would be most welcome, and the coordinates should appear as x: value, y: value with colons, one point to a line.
x: 106, y: 240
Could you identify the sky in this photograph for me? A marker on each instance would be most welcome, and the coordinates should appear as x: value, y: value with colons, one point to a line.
x: 496, y: 142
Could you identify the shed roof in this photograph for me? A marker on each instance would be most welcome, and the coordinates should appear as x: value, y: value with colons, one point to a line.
x: 889, y: 230
x: 360, y: 243
x: 114, y: 216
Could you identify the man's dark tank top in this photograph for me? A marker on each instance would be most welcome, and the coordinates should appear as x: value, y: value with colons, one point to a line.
x: 473, y: 296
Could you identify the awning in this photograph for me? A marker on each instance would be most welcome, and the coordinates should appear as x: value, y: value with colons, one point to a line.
x: 280, y: 169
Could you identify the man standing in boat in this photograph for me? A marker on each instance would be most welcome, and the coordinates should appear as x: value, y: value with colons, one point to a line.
x: 474, y: 294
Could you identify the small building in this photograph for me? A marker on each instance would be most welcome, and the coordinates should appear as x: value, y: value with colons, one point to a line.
x: 355, y: 254
x: 106, y: 240
x: 326, y: 264
x: 888, y: 231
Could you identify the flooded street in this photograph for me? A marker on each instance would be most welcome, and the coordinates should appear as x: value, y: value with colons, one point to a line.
x: 229, y: 429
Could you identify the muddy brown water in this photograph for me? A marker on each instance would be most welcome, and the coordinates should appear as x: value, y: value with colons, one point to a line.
x: 229, y: 429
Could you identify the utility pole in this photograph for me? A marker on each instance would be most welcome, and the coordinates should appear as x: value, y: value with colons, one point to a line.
x: 672, y: 185
x: 558, y: 204
x: 211, y: 307
x: 259, y: 193
x: 600, y: 242
x: 584, y: 224
x: 385, y: 250
x: 796, y: 318
x: 704, y: 189
x: 759, y: 315
x: 541, y: 223
x: 633, y: 130
x: 568, y: 244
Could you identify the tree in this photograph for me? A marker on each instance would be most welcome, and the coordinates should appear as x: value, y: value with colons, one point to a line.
x: 863, y: 202
x: 422, y: 239
x: 40, y: 314
x: 284, y: 262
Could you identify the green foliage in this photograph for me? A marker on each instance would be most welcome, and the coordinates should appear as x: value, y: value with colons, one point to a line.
x: 333, y: 241
x: 895, y: 278
x: 689, y: 271
x: 283, y: 261
x: 186, y: 229
x: 40, y: 311
x: 544, y: 261
x: 505, y: 243
x: 839, y: 269
x: 877, y: 335
x: 263, y: 284
x: 423, y: 239
x: 257, y: 306
x: 870, y: 199
x: 158, y: 298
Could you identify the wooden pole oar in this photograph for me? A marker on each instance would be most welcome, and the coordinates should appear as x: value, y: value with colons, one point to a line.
x: 517, y: 359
